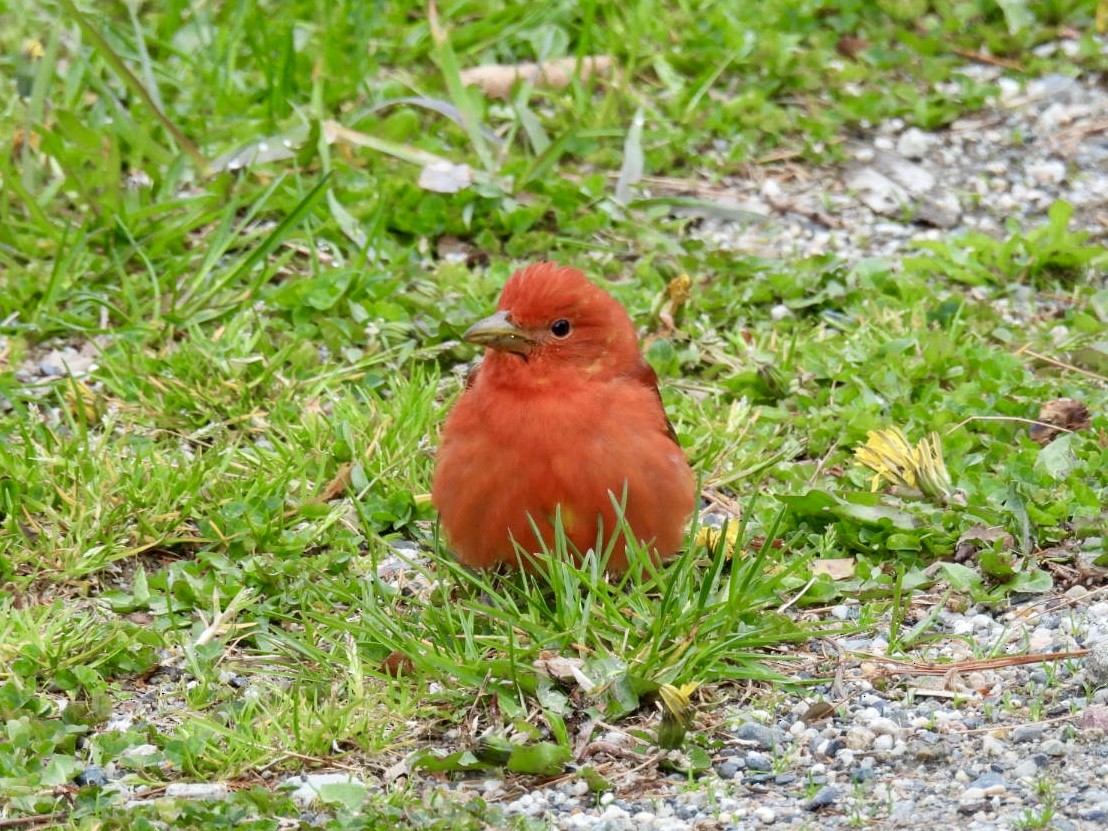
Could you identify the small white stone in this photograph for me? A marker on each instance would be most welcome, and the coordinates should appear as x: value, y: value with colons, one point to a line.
x: 883, y: 744
x: 914, y: 143
x: 859, y: 738
x: 766, y: 816
x: 771, y: 189
x: 884, y: 726
x: 992, y: 746
x: 1009, y: 88
x: 208, y: 791
x: 1047, y: 172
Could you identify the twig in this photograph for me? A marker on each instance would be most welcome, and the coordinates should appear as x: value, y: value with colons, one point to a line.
x: 966, y: 421
x: 1054, y: 720
x: 36, y: 819
x: 1061, y: 365
x: 303, y: 757
x: 991, y: 60
x: 933, y: 668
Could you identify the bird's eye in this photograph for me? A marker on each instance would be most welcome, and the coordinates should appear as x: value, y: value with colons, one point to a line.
x: 560, y: 328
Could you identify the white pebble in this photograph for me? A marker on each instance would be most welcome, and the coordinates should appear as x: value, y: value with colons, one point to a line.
x: 766, y: 816
x: 208, y: 791
x: 859, y: 738
x: 1047, y: 172
x: 884, y: 726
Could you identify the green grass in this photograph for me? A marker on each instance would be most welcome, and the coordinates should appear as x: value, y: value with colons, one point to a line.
x: 275, y: 340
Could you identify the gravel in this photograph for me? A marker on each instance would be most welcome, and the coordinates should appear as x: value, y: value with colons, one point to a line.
x: 1041, y: 142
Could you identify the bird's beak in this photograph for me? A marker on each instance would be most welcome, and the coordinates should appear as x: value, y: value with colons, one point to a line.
x: 499, y: 332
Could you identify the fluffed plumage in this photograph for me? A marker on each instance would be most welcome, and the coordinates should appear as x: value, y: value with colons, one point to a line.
x: 563, y: 412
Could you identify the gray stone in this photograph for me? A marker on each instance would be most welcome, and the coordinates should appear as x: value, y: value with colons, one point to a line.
x: 763, y: 737
x: 1027, y: 733
x: 758, y: 761
x: 91, y: 776
x: 1053, y: 747
x: 914, y: 143
x: 827, y: 795
x: 990, y: 783
x: 1096, y: 663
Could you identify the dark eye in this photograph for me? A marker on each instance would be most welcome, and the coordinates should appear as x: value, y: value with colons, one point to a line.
x: 560, y: 328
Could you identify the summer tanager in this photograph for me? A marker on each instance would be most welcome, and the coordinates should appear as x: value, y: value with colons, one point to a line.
x: 563, y: 415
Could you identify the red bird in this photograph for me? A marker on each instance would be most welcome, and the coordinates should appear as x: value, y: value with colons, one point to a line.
x: 563, y: 413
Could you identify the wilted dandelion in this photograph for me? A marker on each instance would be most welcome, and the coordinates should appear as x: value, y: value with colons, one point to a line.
x: 921, y: 468
x: 677, y: 713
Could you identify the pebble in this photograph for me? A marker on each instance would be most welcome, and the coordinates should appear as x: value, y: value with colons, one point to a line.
x: 762, y: 736
x: 827, y: 795
x: 1096, y: 663
x: 199, y: 791
x: 758, y: 761
x: 91, y: 776
x: 859, y: 738
x: 1053, y: 747
x: 914, y: 143
x: 1027, y: 733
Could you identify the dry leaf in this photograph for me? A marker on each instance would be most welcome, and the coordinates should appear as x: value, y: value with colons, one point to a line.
x: 565, y: 669
x: 451, y: 249
x: 496, y: 80
x: 819, y: 711
x: 397, y: 664
x: 1064, y: 414
x: 338, y: 485
x: 837, y: 568
x: 85, y: 404
x: 850, y: 46
x: 978, y: 537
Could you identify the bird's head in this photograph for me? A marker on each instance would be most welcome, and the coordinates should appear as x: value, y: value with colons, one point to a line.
x: 552, y: 317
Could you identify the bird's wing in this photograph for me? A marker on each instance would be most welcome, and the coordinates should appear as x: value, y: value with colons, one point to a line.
x: 646, y: 376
